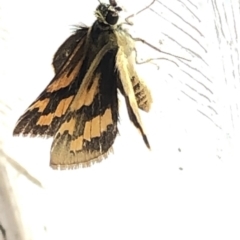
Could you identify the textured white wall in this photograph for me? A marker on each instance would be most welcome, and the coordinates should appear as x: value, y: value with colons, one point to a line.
x: 194, y: 125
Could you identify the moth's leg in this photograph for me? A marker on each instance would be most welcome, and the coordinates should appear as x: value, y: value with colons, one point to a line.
x: 157, y: 49
x: 134, y: 14
x: 146, y: 61
x: 127, y: 21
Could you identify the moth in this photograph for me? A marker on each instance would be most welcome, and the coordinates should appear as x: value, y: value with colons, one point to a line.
x: 79, y: 107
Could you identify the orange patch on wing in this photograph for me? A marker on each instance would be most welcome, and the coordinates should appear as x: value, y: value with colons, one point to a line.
x: 68, y: 126
x: 76, y: 144
x: 87, y: 131
x: 40, y: 104
x: 106, y: 119
x: 87, y: 96
x: 64, y: 79
x: 95, y: 130
x: 100, y: 123
x: 92, y: 92
x: 45, y: 119
x: 63, y: 106
x: 61, y: 110
x: 97, y: 125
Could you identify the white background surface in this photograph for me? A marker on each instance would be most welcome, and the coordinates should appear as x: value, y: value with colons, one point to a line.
x: 193, y: 125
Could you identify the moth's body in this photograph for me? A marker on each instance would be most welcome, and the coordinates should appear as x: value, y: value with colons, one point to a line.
x: 80, y: 105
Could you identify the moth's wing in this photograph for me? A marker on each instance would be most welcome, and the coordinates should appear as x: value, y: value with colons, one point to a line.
x: 142, y: 93
x: 90, y: 126
x: 67, y: 48
x: 44, y: 116
x: 126, y: 86
x: 126, y: 60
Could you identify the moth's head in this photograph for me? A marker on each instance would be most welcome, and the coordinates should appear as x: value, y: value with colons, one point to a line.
x: 108, y: 13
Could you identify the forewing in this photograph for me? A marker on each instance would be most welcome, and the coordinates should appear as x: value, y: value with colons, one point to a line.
x: 90, y: 126
x: 126, y: 85
x: 44, y: 116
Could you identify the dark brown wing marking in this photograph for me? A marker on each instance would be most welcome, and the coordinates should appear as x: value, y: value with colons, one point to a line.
x: 67, y: 48
x: 142, y: 94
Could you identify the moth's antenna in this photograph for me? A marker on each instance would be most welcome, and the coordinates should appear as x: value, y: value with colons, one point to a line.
x: 148, y: 6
